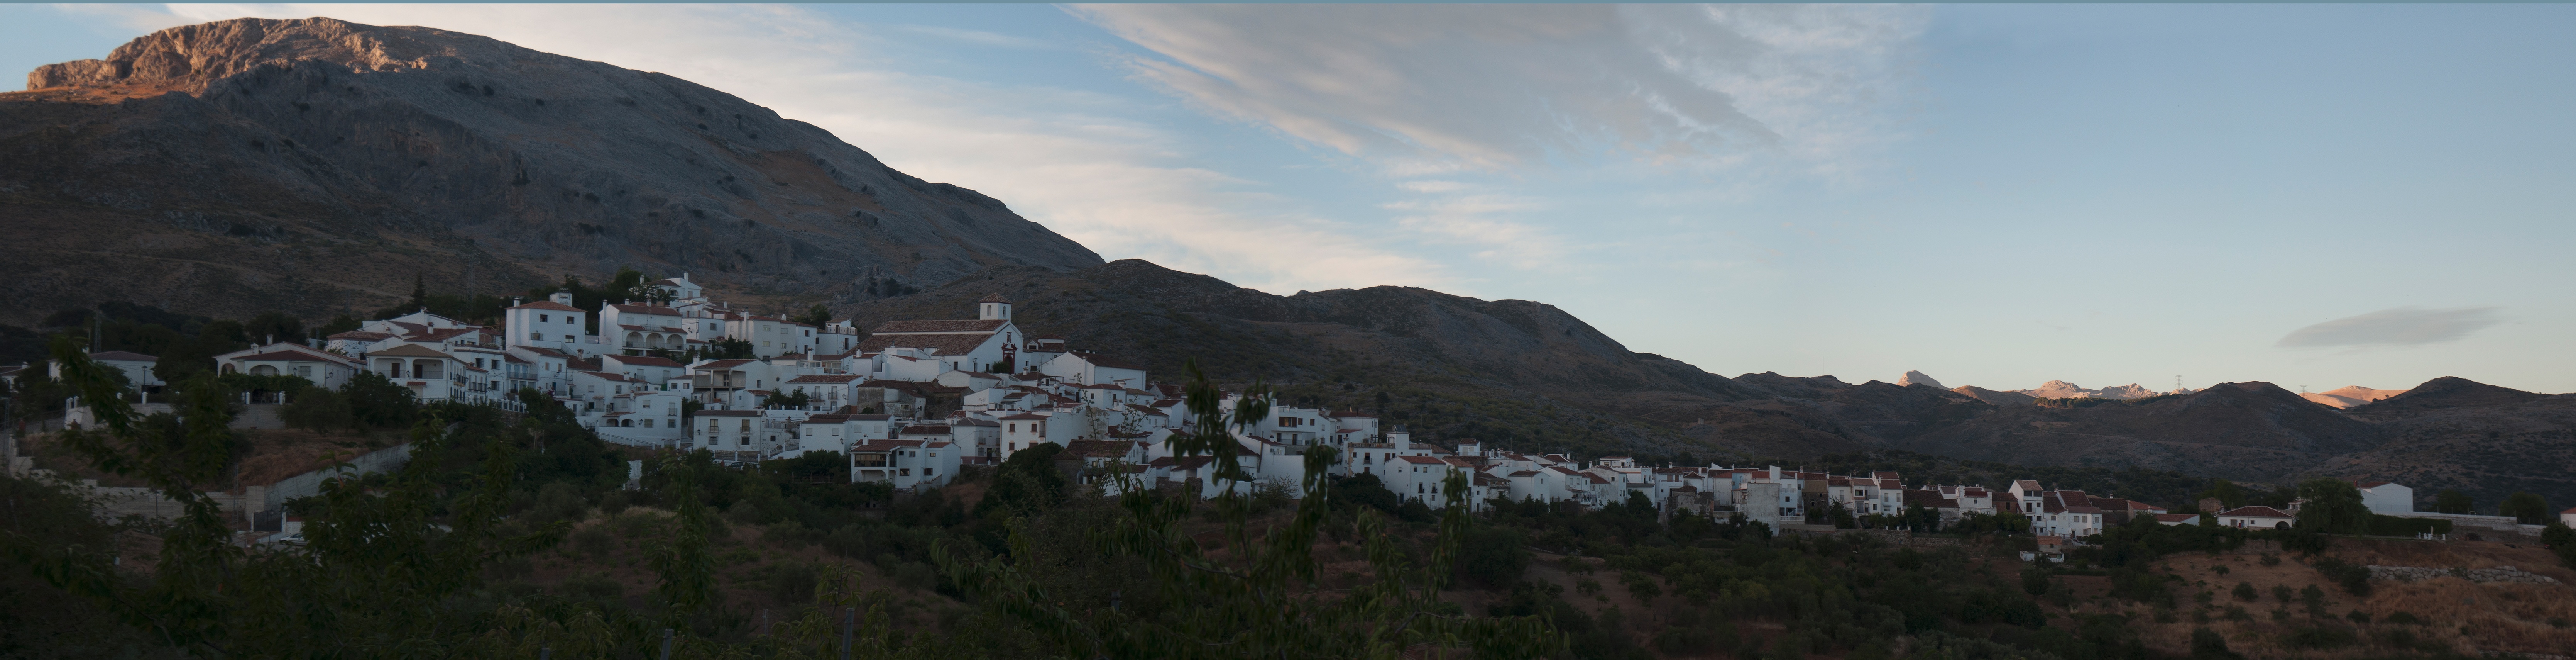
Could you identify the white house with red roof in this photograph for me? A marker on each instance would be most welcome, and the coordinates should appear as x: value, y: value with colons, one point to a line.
x: 322, y: 368
x: 636, y: 328
x: 980, y: 344
x: 552, y: 324
x: 653, y: 370
x: 2256, y: 517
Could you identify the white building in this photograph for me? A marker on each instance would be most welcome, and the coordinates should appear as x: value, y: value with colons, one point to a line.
x: 905, y: 463
x: 2256, y: 517
x: 322, y: 368
x: 2387, y: 499
x: 552, y: 324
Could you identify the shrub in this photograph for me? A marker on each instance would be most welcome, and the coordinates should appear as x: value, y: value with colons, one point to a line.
x: 615, y: 502
x: 593, y: 540
x: 2244, y: 591
x: 318, y: 410
x: 2358, y: 616
x: 2270, y: 559
x: 2402, y: 618
x: 2206, y: 644
x: 2354, y: 578
x: 2324, y: 637
x: 2034, y: 581
x: 792, y: 583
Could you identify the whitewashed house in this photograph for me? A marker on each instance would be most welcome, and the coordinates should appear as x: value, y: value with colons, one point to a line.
x: 323, y: 368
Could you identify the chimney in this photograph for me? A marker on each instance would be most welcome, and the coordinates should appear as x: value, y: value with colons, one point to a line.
x: 561, y: 298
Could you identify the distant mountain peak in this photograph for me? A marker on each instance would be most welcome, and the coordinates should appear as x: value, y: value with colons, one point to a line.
x: 1918, y: 378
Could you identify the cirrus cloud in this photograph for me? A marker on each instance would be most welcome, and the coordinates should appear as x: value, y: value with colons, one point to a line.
x: 1430, y: 88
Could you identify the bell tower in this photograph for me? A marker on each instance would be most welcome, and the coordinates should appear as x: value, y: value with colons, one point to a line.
x: 993, y: 308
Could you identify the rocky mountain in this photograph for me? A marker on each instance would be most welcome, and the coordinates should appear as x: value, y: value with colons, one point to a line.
x: 2058, y: 389
x: 2484, y: 440
x: 2000, y: 398
x: 317, y: 165
x: 2349, y: 396
x: 1919, y: 378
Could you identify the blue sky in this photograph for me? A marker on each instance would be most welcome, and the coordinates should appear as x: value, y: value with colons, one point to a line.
x: 1996, y: 195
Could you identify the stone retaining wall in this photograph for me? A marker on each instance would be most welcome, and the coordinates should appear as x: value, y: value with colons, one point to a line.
x: 2497, y: 574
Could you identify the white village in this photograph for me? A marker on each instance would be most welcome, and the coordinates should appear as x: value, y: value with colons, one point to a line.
x: 910, y: 403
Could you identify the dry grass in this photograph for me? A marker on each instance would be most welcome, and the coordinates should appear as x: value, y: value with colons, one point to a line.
x: 2465, y: 617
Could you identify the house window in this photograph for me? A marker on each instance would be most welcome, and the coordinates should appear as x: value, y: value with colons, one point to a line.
x: 929, y: 471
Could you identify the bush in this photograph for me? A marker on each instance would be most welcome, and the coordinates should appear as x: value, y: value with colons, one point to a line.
x: 2402, y: 618
x: 2206, y: 644
x: 2244, y: 591
x: 2034, y: 581
x: 2326, y: 637
x: 318, y: 410
x: 2354, y: 578
x: 1492, y: 556
x: 593, y: 540
x: 792, y: 583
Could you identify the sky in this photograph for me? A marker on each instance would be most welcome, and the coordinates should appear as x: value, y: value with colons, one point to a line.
x: 1995, y: 195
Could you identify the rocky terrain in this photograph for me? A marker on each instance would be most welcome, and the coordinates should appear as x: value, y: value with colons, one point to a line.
x: 317, y: 165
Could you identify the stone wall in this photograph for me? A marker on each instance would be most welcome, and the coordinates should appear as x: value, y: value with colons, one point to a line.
x: 2497, y: 574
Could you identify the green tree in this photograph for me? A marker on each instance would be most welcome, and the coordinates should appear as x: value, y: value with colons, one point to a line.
x: 2525, y: 507
x: 419, y: 296
x: 1259, y: 599
x: 818, y: 316
x: 2227, y: 493
x: 797, y: 399
x: 376, y: 401
x: 730, y: 349
x: 339, y: 324
x: 272, y: 326
x: 2451, y: 500
x: 2333, y: 507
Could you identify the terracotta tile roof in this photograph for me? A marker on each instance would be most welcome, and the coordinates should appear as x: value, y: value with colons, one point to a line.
x: 926, y: 429
x: 645, y: 309
x: 827, y: 419
x: 411, y: 350
x: 944, y: 343
x: 1026, y: 416
x: 1424, y: 460
x: 2255, y: 512
x: 1100, y: 448
x: 728, y: 413
x: 725, y: 364
x: 361, y: 335
x: 549, y: 305
x: 824, y: 378
x: 614, y: 377
x: 957, y: 325
x: 643, y: 361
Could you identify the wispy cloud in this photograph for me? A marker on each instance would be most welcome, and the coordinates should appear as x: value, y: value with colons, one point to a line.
x: 978, y: 37
x: 2403, y: 326
x: 1423, y: 89
x: 1092, y: 166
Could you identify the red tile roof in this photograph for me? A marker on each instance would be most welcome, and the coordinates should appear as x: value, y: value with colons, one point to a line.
x: 2255, y: 512
x: 957, y: 325
x: 550, y: 306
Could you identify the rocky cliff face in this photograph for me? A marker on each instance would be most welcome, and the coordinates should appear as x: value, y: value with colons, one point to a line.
x: 336, y: 160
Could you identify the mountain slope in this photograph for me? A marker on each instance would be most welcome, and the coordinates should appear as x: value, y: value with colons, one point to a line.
x: 1513, y: 372
x: 2485, y: 440
x: 336, y: 160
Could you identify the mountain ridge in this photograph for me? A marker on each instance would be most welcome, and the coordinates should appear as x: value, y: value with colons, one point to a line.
x: 282, y: 148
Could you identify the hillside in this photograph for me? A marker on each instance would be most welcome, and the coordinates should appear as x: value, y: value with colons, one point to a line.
x: 317, y: 165
x: 2484, y: 440
x: 1514, y: 372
